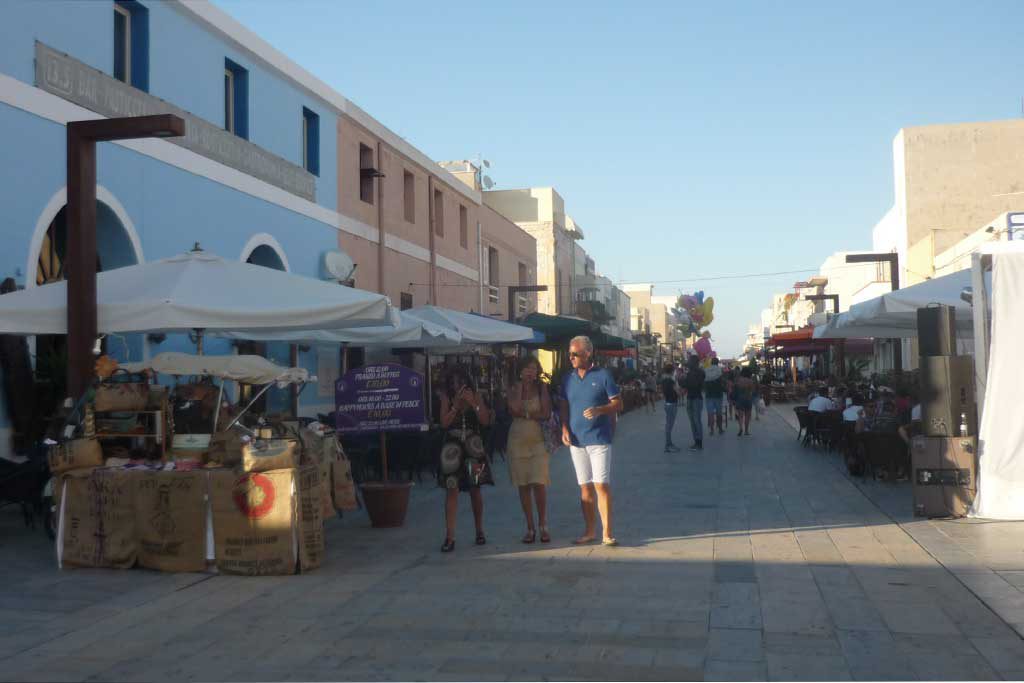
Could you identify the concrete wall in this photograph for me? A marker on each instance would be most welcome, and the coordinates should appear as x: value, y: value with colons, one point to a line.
x: 514, y: 246
x: 408, y: 244
x: 953, y: 178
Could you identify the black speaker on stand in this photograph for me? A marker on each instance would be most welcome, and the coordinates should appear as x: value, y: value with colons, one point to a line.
x: 944, y: 458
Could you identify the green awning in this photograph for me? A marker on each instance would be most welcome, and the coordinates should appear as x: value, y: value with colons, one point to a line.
x: 559, y: 328
x: 607, y: 342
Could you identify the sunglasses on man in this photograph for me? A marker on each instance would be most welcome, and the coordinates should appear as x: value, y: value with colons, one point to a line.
x: 574, y: 354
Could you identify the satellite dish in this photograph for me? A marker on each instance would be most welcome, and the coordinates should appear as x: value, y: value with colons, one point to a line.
x: 338, y: 265
x: 488, y: 183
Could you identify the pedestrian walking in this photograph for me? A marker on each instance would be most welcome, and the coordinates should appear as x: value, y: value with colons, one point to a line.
x: 591, y: 400
x: 693, y: 385
x: 744, y: 391
x: 670, y: 392
x: 651, y: 392
x: 529, y: 403
x: 714, y: 389
x: 463, y: 465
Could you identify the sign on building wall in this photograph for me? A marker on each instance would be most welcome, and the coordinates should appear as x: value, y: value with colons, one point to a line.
x: 384, y: 397
x: 66, y: 77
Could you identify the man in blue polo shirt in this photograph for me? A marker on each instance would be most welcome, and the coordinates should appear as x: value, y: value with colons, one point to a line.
x: 591, y: 399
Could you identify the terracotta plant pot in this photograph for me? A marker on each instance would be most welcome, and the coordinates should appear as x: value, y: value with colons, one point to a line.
x: 386, y: 502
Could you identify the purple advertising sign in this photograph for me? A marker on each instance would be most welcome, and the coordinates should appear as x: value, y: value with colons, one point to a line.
x: 380, y: 398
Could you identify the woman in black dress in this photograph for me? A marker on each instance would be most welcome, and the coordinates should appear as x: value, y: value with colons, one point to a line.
x: 463, y: 460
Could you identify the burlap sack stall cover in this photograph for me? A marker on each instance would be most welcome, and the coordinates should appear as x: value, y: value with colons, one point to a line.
x: 277, y: 454
x: 170, y: 519
x: 312, y: 487
x: 75, y: 454
x: 115, y: 395
x: 253, y: 521
x: 98, y: 525
x: 344, y: 486
x: 225, y: 448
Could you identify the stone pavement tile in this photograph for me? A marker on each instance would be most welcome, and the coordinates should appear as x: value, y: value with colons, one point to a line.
x: 853, y: 612
x: 728, y: 670
x: 741, y: 645
x: 916, y: 618
x: 735, y: 572
x: 797, y: 644
x: 736, y: 605
x: 806, y: 617
x: 1004, y: 654
x: 784, y: 667
x: 874, y: 655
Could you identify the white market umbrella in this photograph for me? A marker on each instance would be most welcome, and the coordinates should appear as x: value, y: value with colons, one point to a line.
x: 474, y: 329
x: 894, y: 315
x: 241, y: 368
x: 409, y: 333
x: 199, y: 290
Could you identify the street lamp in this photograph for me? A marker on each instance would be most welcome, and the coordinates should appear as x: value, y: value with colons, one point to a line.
x: 82, y: 137
x: 893, y: 260
x: 515, y: 289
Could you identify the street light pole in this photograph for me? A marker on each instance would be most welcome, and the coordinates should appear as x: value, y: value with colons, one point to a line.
x: 841, y: 346
x: 82, y: 137
x: 893, y: 260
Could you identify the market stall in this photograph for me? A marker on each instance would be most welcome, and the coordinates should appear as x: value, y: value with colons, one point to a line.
x: 242, y: 495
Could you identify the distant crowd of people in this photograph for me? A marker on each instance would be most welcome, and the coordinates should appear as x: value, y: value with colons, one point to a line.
x: 872, y: 408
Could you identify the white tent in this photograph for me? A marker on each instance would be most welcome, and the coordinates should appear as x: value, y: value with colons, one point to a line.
x: 199, y: 290
x: 242, y: 368
x: 409, y: 333
x: 473, y: 329
x: 894, y: 315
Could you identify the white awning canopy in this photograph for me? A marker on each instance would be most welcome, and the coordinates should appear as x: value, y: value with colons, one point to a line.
x: 246, y: 369
x: 199, y: 290
x: 895, y: 314
x: 410, y: 333
x: 473, y: 329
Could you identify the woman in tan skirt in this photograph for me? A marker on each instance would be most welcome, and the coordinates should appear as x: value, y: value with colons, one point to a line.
x: 530, y: 404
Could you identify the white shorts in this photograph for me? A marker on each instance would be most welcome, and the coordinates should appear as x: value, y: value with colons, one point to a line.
x: 593, y: 464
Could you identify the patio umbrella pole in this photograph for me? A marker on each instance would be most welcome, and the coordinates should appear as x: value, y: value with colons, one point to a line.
x: 384, y: 456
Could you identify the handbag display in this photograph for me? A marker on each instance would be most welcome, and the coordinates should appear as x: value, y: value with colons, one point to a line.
x: 122, y: 392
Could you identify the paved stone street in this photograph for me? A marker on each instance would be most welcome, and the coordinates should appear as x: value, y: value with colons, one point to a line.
x: 755, y: 559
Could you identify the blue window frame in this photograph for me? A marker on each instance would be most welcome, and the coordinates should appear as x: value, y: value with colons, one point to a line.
x: 131, y: 43
x: 310, y: 141
x: 236, y: 99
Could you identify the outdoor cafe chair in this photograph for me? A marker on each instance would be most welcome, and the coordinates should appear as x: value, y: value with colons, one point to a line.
x: 803, y: 420
x: 828, y: 428
x: 884, y: 451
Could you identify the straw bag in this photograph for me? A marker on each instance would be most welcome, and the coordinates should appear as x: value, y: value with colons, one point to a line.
x: 263, y: 456
x: 75, y: 454
x: 122, y: 392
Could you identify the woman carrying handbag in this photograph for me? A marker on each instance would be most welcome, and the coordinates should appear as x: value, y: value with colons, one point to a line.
x: 529, y: 403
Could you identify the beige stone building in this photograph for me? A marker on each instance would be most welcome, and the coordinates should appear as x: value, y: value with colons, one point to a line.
x: 540, y: 211
x: 949, y: 179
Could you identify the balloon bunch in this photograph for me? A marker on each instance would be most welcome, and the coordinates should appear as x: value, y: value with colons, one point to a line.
x: 703, y: 349
x: 693, y: 312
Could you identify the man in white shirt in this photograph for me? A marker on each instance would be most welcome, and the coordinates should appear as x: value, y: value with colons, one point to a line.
x: 820, y: 404
x: 853, y: 411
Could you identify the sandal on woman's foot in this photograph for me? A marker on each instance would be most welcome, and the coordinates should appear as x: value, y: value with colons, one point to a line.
x: 545, y: 537
x: 609, y: 542
x: 480, y: 538
x: 449, y: 545
x: 530, y: 536
x: 584, y: 540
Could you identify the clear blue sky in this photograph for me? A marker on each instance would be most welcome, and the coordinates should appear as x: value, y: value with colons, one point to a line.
x: 688, y: 139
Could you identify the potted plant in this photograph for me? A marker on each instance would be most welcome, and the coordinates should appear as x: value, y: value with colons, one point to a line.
x: 386, y: 501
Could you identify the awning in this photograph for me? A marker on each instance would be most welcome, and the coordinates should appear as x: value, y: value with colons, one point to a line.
x: 474, y: 329
x: 611, y: 353
x: 804, y: 334
x: 242, y: 368
x: 557, y: 328
x: 894, y: 315
x: 199, y: 290
x: 608, y: 342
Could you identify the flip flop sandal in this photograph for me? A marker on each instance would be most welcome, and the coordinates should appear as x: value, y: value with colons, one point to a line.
x: 545, y: 537
x: 583, y: 540
x: 530, y: 537
x: 610, y: 542
x: 481, y: 539
x: 449, y: 546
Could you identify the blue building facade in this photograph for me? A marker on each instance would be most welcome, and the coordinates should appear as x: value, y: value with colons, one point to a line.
x: 261, y: 186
